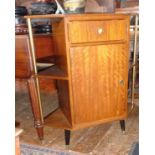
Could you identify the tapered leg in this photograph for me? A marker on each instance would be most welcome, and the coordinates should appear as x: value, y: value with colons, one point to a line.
x: 122, y: 124
x: 67, y: 136
x: 36, y: 108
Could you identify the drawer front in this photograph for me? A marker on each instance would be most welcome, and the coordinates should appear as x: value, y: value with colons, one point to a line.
x: 96, y: 31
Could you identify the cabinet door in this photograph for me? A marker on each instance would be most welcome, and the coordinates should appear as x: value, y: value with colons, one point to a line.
x: 99, y: 82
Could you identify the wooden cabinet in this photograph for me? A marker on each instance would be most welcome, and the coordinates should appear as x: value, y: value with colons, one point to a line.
x: 91, y: 69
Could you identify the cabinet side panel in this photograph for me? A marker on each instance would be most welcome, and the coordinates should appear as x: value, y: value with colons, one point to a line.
x: 61, y: 61
x: 60, y: 45
x: 99, y: 78
x: 63, y: 94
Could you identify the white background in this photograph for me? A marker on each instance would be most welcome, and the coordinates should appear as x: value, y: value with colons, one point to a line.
x: 7, y: 78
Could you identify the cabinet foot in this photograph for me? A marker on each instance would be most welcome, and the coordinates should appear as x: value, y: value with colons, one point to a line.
x: 67, y: 136
x: 40, y: 133
x: 122, y: 125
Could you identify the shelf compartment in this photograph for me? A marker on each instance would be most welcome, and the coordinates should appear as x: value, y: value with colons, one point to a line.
x: 53, y: 72
x: 43, y: 66
x: 48, y: 59
x: 57, y: 120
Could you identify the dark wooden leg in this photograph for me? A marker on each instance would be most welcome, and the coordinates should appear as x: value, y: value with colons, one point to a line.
x: 36, y: 108
x: 122, y: 124
x: 67, y: 136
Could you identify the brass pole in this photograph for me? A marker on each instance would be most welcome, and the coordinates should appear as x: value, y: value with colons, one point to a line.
x: 34, y: 64
x: 134, y: 61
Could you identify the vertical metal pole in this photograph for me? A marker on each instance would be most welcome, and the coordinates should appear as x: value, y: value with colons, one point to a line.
x: 34, y: 64
x: 134, y: 61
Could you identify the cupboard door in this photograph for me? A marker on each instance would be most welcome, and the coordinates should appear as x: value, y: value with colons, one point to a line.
x: 99, y: 82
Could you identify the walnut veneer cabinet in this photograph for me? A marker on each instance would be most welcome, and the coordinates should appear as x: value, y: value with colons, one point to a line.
x: 91, y: 69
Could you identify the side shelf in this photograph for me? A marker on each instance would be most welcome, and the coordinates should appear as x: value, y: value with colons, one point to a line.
x: 53, y: 72
x: 57, y: 120
x: 47, y: 67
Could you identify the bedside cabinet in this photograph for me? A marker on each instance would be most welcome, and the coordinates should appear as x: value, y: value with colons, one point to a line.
x: 91, y: 69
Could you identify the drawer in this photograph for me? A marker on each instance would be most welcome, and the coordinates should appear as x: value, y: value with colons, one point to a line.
x: 96, y: 31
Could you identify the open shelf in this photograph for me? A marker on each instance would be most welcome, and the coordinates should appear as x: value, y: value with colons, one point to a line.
x: 43, y: 66
x: 48, y: 59
x: 53, y: 72
x: 57, y: 120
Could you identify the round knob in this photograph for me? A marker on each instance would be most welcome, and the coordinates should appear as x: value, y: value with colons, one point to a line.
x: 121, y: 82
x: 100, y: 30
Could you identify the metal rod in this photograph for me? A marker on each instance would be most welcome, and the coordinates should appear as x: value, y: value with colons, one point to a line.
x: 32, y: 46
x: 134, y: 61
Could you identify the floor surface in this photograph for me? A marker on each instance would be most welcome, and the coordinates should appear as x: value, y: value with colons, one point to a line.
x: 104, y: 139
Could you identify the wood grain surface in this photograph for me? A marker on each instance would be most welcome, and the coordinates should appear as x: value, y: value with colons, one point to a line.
x: 96, y: 75
x: 95, y: 31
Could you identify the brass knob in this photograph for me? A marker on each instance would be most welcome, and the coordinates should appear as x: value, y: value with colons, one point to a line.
x: 100, y: 30
x: 121, y: 82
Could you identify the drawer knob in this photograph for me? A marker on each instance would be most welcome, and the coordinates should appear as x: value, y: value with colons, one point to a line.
x: 100, y: 30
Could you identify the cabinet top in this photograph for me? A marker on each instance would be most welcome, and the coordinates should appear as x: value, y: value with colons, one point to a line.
x: 84, y: 16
